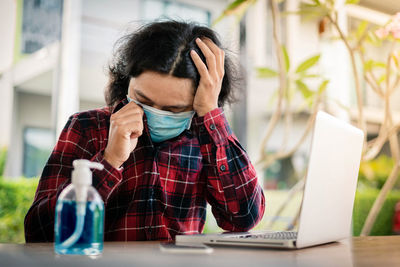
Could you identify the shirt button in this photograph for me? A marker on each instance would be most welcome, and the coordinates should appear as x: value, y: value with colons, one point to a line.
x: 212, y: 127
x: 110, y: 183
x: 222, y: 168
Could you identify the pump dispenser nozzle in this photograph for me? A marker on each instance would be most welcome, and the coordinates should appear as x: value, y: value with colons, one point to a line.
x: 82, y: 177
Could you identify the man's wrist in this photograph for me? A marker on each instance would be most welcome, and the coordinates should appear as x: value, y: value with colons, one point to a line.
x: 115, y: 163
x: 203, y: 112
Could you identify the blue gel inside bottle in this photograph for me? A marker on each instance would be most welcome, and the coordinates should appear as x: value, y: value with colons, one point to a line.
x: 88, y: 240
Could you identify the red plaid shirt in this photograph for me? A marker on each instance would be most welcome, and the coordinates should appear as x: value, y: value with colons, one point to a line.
x: 162, y: 189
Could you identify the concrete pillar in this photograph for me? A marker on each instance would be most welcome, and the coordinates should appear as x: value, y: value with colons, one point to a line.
x: 15, y: 152
x: 8, y: 12
x: 66, y: 94
x: 6, y: 95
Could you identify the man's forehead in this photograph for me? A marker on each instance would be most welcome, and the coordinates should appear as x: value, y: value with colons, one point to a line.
x: 166, y: 92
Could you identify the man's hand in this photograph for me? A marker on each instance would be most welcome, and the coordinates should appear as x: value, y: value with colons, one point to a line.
x: 126, y: 125
x: 206, y: 98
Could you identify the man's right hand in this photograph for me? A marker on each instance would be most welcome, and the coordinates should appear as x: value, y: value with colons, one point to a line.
x: 126, y: 125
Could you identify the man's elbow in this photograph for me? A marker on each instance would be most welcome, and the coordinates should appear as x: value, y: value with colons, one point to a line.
x: 250, y: 215
x: 248, y: 222
x: 28, y: 229
x: 36, y: 231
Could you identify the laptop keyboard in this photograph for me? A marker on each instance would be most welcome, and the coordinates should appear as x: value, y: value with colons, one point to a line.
x: 283, y: 235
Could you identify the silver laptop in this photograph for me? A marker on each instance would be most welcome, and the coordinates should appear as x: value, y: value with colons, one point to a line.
x: 328, y: 198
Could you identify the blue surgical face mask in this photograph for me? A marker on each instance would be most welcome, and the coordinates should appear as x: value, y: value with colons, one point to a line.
x: 164, y: 125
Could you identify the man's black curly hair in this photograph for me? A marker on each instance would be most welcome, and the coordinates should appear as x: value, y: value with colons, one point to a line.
x: 164, y: 47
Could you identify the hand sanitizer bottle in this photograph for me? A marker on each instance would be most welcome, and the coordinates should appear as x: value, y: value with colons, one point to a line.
x: 79, y: 216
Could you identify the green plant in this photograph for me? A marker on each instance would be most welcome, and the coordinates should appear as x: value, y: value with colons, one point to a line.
x: 374, y: 173
x: 362, y: 205
x: 3, y: 157
x: 16, y: 197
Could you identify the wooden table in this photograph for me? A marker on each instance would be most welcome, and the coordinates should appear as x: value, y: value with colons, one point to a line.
x: 358, y: 251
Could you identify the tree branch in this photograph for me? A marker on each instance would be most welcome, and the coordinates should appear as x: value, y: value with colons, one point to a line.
x: 310, y: 123
x: 282, y: 78
x: 370, y: 78
x: 375, y: 146
x: 373, y: 213
x: 298, y: 187
x: 361, y: 121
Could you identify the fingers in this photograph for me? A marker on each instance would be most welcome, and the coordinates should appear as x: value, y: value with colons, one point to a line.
x: 130, y: 108
x: 201, y: 67
x: 219, y: 55
x: 128, y: 121
x: 209, y: 55
x: 133, y: 129
x: 129, y: 111
x: 130, y: 128
x: 129, y: 114
x: 214, y: 57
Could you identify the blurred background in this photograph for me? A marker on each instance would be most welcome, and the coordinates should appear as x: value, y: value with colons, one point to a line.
x: 54, y: 63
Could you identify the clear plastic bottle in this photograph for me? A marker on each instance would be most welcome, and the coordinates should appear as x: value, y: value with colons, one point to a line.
x: 79, y: 215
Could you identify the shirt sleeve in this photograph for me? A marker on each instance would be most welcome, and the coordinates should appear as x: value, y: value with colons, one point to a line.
x: 75, y: 142
x: 233, y: 191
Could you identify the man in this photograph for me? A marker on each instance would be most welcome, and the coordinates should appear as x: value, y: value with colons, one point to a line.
x: 164, y: 141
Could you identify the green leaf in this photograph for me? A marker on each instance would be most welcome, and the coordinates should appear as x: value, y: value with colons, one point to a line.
x: 265, y: 72
x: 286, y: 58
x: 352, y: 2
x: 237, y: 7
x: 304, y: 90
x: 382, y: 78
x: 310, y: 76
x: 373, y: 39
x: 379, y: 64
x: 308, y: 63
x: 362, y: 27
x: 289, y: 93
x: 309, y: 11
x: 396, y: 60
x: 235, y: 4
x: 370, y: 64
x: 322, y: 86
